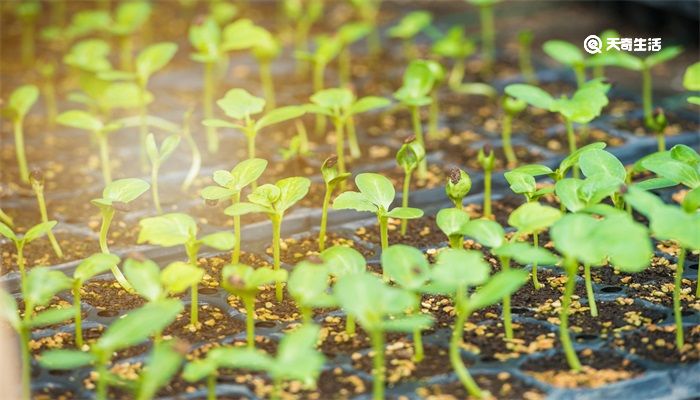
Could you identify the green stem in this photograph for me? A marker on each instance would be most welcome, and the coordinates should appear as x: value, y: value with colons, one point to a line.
x: 126, y: 48
x: 580, y: 72
x: 419, y: 354
x: 353, y: 144
x: 78, y: 314
x: 154, y: 189
x: 456, y: 74
x: 26, y: 361
x: 404, y: 198
x: 268, y: 85
x: 374, y: 40
x: 21, y: 263
x: 350, y: 325
x: 535, y: 280
x: 306, y: 315
x: 276, y: 389
x: 487, y: 193
x: 571, y: 138
x: 191, y: 251
x: 101, y: 367
x: 455, y: 344
x: 507, y: 318
x: 212, y: 136
x: 107, y: 215
x: 433, y: 115
x: 564, y: 335
x: 384, y: 239
x: 143, y: 127
x: 318, y: 74
x: 19, y: 150
x: 507, y: 144
x: 456, y: 241
x: 677, y: 316
x: 236, y: 255
x: 324, y: 219
x: 525, y: 62
x: 249, y: 320
x: 377, y: 338
x: 104, y: 157
x: 487, y: 37
x: 340, y: 148
x: 276, y: 238
x: 646, y: 93
x: 303, y: 136
x: 211, y: 387
x: 344, y: 65
x: 196, y: 155
x: 589, y: 290
x: 418, y: 131
x: 45, y: 218
x: 661, y: 141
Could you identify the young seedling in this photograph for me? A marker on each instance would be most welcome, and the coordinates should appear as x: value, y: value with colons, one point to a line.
x: 408, y: 267
x: 27, y: 12
x: 488, y: 33
x: 570, y: 55
x: 486, y: 159
x: 90, y: 267
x: 456, y: 46
x: 132, y: 329
x: 439, y: 75
x: 128, y: 19
x: 679, y: 165
x: 585, y: 105
x: 297, y: 359
x: 327, y: 48
x: 47, y: 70
x: 302, y: 16
x: 240, y: 106
x: 458, y: 186
x: 83, y: 120
x: 373, y: 304
x: 18, y: 105
x: 340, y: 105
x: 20, y: 241
x: 451, y: 222
x: 266, y: 49
x: 157, y: 157
x: 343, y: 261
x: 691, y: 82
x: 230, y: 186
x: 348, y: 34
x: 408, y: 28
x: 525, y: 38
x: 245, y: 282
x: 196, y: 165
x: 331, y: 178
x: 674, y: 223
x: 273, y: 200
x: 409, y: 156
x: 376, y: 195
x: 587, y: 239
x: 115, y: 197
x: 456, y: 271
x: 657, y: 124
x: 175, y: 229
x: 511, y: 107
x: 309, y: 286
x: 41, y: 285
x: 531, y: 217
x: 36, y: 178
x: 162, y: 364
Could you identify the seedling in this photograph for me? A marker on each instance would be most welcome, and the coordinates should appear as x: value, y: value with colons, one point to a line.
x: 128, y: 19
x: 20, y: 241
x: 376, y: 195
x: 28, y: 12
x: 90, y: 267
x: 456, y: 46
x: 196, y: 165
x: 418, y: 81
x: 657, y: 124
x: 161, y: 365
x: 669, y: 222
x: 340, y: 105
x: 21, y: 100
x: 309, y: 286
x: 488, y: 33
x: 525, y: 38
x: 230, y: 185
x: 343, y: 261
x: 132, y: 329
x: 439, y: 74
x: 691, y: 81
x: 458, y: 186
x: 273, y: 200
x: 222, y: 11
x: 303, y: 15
x: 408, y: 267
x: 589, y: 240
x: 47, y: 70
x: 327, y: 48
x: 348, y: 34
x: 175, y: 229
x: 486, y: 159
x: 451, y: 222
x: 455, y: 272
x: 373, y: 304
x: 408, y: 157
x: 512, y: 107
x: 297, y: 359
x: 368, y: 11
x: 37, y: 180
x: 83, y: 120
x: 408, y: 28
x: 157, y: 156
x: 331, y: 177
x: 240, y: 106
x: 38, y: 289
x: 680, y: 165
x: 266, y: 49
x: 570, y: 55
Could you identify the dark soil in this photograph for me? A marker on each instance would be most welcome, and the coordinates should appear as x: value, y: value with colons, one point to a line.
x: 109, y: 297
x: 658, y: 343
x: 502, y: 386
x: 40, y: 252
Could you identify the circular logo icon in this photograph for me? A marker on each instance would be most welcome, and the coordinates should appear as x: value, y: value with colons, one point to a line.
x: 592, y: 44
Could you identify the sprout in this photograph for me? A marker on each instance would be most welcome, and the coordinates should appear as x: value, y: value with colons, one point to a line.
x: 458, y: 47
x: 327, y: 48
x: 154, y: 284
x: 47, y: 70
x: 343, y: 261
x: 309, y: 286
x: 180, y: 229
x: 418, y: 81
x: 570, y: 55
x: 378, y: 308
x: 376, y: 195
x: 512, y: 108
x: 240, y: 106
x: 134, y: 328
x: 439, y: 74
x: 273, y: 200
x: 408, y: 28
x: 245, y: 281
x: 230, y: 186
x: 303, y: 14
x: 451, y: 222
x: 222, y: 12
x: 94, y: 265
x: 458, y: 186
x: 18, y: 105
x: 20, y: 241
x: 39, y: 287
x: 128, y: 18
x: 528, y: 218
x: 456, y: 271
x: 297, y: 359
x: 162, y: 364
x: 27, y: 12
x: 37, y: 180
x: 408, y: 157
x: 657, y: 124
x: 368, y: 11
x: 331, y: 178
x: 486, y: 159
x: 669, y: 222
x: 266, y: 49
x: 525, y: 38
x: 691, y: 81
x: 348, y: 34
x: 488, y: 34
x: 157, y: 156
x: 591, y: 241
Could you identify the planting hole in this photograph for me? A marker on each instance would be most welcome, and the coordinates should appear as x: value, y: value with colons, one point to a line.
x: 209, y: 291
x: 693, y: 266
x: 586, y: 337
x: 611, y: 289
x: 264, y: 324
x: 108, y: 313
x: 518, y: 310
x: 687, y: 313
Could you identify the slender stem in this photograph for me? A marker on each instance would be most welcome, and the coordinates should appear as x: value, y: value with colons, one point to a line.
x: 374, y: 40
x: 535, y: 280
x: 104, y: 157
x: 350, y: 325
x: 211, y: 387
x: 126, y: 48
x: 487, y: 37
x: 384, y: 239
x: 487, y: 194
x: 419, y: 354
x: 507, y: 144
x: 276, y: 389
x: 677, y: 316
x: 418, y: 131
x: 276, y: 238
x: 39, y: 191
x: 433, y: 115
x: 268, y: 84
x: 26, y: 362
x: 191, y: 251
x: 525, y: 62
x: 455, y: 344
x: 143, y: 127
x: 303, y: 137
x: 78, y: 314
x: 236, y: 256
x: 571, y: 138
x: 196, y: 155
x: 507, y: 318
x: 107, y: 215
x: 564, y: 335
x: 154, y: 188
x: 19, y: 150
x: 344, y: 65
x: 101, y: 367
x: 598, y: 72
x: 661, y: 141
x: 377, y: 338
x: 404, y: 198
x: 340, y: 147
x: 457, y: 73
x: 580, y: 72
x: 646, y: 93
x: 324, y: 219
x: 306, y: 315
x: 121, y: 278
x: 212, y: 136
x: 353, y: 144
x: 318, y: 75
x: 589, y: 290
x: 249, y: 303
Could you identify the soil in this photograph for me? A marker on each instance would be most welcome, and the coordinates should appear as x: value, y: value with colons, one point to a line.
x: 109, y: 298
x: 215, y: 324
x: 294, y: 250
x: 40, y: 252
x: 658, y: 343
x: 267, y: 308
x: 422, y: 233
x: 502, y: 385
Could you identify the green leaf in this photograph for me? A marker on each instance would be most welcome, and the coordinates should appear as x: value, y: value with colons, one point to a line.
x: 488, y: 233
x: 8, y: 310
x: 564, y: 52
x: 131, y: 16
x: 279, y: 115
x: 572, y: 237
x: 144, y: 277
x: 7, y: 232
x: 51, y: 316
x: 691, y: 78
x: 354, y: 201
x: 180, y: 276
x: 625, y: 242
x: 662, y: 56
x: 418, y: 81
x: 405, y: 213
x: 217, y: 193
x: 44, y: 283
x: 206, y: 38
x: 219, y: 240
x: 410, y: 155
x: 568, y: 192
x: 333, y: 100
x: 241, y: 279
x: 597, y: 161
x: 246, y: 172
x: 619, y: 59
x: 502, y: 284
x: 219, y: 123
x: 38, y: 231
x: 343, y: 260
x: 292, y: 190
x: 451, y: 221
x: 406, y: 265
x: 244, y: 208
x: 125, y: 190
x: 94, y: 265
x: 167, y: 230
x: 586, y: 104
x: 378, y: 189
x: 530, y: 94
x: 22, y: 99
x: 526, y: 254
x: 239, y: 104
x: 199, y: 369
x: 685, y: 154
x: 408, y: 323
x: 369, y: 103
x: 80, y: 119
x: 308, y: 284
x: 411, y: 25
x: 533, y: 217
x: 60, y: 359
x: 691, y: 201
x: 458, y: 268
x: 163, y: 362
x: 572, y: 159
x: 154, y: 58
x: 138, y: 325
x: 521, y: 183
x: 667, y: 167
x: 240, y: 35
x: 243, y: 358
